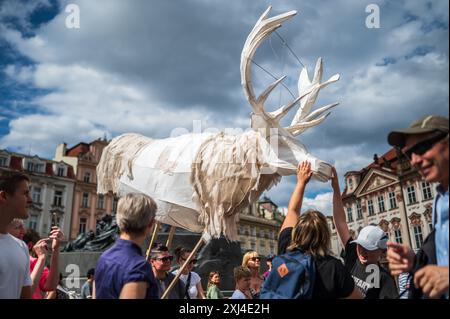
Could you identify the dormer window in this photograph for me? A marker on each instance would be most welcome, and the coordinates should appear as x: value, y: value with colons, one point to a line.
x: 350, y: 183
x: 60, y: 170
x: 35, y: 166
x: 4, y: 160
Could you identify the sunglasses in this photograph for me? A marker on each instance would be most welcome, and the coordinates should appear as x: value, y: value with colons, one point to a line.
x: 423, y: 147
x: 193, y: 261
x: 255, y: 258
x: 165, y: 259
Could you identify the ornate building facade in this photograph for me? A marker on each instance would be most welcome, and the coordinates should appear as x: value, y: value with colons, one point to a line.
x: 88, y: 206
x: 336, y: 247
x: 258, y: 227
x: 391, y: 194
x: 51, y: 187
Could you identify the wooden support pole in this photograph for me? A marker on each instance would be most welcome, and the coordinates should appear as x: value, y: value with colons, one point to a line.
x: 170, y: 237
x: 154, y: 235
x: 180, y: 271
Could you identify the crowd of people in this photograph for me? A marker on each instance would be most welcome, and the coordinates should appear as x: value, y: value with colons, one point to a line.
x: 304, y: 267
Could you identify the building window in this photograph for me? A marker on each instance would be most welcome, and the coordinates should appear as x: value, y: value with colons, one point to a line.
x: 87, y: 177
x: 392, y: 200
x: 253, y: 231
x: 370, y: 207
x: 272, y: 248
x: 381, y: 204
x: 85, y: 200
x: 57, y: 199
x: 253, y: 246
x: 350, y: 183
x: 430, y: 227
x: 359, y: 210
x: 61, y: 171
x: 83, y: 224
x: 100, y: 202
x: 36, y: 195
x: 33, y: 222
x: 398, y: 236
x: 418, y: 236
x: 34, y: 167
x: 349, y: 214
x: 3, y: 161
x: 426, y: 190
x: 114, y: 204
x: 411, y: 195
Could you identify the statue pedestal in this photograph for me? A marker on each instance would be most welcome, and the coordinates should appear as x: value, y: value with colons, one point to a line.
x: 222, y: 256
x: 75, y: 265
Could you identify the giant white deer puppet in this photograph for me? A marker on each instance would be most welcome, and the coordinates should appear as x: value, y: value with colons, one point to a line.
x: 201, y: 181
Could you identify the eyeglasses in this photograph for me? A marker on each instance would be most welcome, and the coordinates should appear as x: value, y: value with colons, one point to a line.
x: 255, y: 259
x: 424, y: 146
x: 164, y: 259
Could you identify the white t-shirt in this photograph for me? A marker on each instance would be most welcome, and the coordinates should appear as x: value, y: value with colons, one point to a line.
x: 237, y: 294
x: 195, y: 279
x: 14, y: 267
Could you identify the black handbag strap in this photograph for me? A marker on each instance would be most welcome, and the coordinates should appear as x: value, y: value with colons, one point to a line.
x: 188, y: 284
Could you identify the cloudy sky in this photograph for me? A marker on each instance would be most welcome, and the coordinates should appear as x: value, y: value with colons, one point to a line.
x: 150, y: 66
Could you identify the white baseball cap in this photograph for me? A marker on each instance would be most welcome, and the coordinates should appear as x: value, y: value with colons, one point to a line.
x: 372, y: 238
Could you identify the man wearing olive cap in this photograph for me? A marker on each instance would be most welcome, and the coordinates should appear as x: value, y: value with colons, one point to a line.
x: 425, y: 144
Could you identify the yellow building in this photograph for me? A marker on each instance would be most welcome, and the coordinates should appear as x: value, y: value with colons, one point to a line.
x: 258, y: 227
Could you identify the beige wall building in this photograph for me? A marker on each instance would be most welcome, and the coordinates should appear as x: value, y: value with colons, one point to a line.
x: 88, y: 206
x: 391, y: 194
x: 258, y: 227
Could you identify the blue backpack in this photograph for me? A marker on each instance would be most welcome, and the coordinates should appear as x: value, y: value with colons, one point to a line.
x: 292, y: 277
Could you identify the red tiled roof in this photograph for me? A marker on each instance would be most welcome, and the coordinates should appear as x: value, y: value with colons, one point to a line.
x: 389, y: 156
x: 78, y: 149
x: 267, y: 206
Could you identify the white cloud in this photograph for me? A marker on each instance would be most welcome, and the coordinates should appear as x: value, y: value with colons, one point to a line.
x: 20, y: 74
x: 40, y: 134
x: 322, y: 202
x: 86, y: 105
